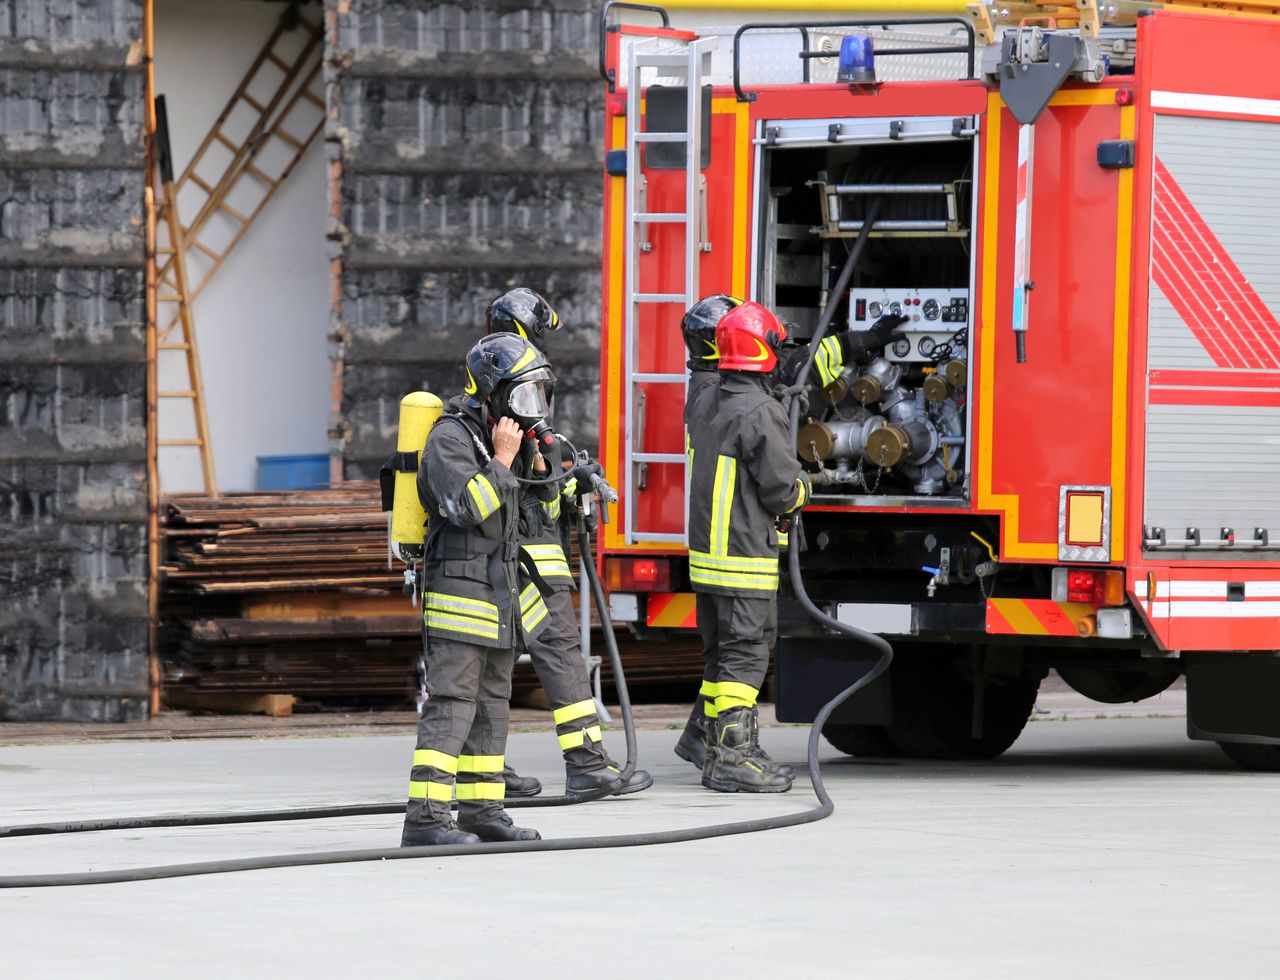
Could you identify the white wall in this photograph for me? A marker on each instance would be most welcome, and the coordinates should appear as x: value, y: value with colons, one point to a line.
x: 262, y: 320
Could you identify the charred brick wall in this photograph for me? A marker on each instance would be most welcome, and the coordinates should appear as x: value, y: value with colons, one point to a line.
x: 73, y: 493
x: 465, y: 145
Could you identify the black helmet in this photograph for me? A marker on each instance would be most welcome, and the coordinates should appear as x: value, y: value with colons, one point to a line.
x: 521, y: 311
x: 513, y: 376
x: 699, y: 326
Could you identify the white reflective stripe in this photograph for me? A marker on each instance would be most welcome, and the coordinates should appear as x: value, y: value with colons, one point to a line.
x: 1195, y: 102
x: 1222, y: 610
x: 1204, y: 589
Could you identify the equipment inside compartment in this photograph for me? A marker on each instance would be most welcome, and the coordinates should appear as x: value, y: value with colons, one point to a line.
x: 897, y: 425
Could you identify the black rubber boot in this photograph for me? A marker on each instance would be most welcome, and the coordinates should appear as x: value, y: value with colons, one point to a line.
x: 414, y: 835
x: 498, y: 828
x: 520, y: 787
x: 590, y: 783
x: 692, y: 747
x: 732, y: 764
x: 640, y: 780
x: 769, y: 762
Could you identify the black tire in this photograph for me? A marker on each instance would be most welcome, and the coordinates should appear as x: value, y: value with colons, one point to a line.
x: 1251, y: 755
x: 1118, y: 685
x: 868, y: 741
x: 933, y: 708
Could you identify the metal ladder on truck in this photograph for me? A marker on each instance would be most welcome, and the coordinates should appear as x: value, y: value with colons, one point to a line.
x: 690, y: 60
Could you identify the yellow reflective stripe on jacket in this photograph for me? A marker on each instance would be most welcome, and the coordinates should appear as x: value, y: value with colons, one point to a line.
x: 430, y: 790
x: 552, y: 507
x: 734, y: 563
x: 460, y: 624
x: 727, y: 571
x: 802, y: 494
x: 482, y: 492
x: 437, y: 760
x: 784, y: 539
x: 474, y: 608
x: 829, y: 360
x: 549, y: 559
x: 722, y: 503
x: 480, y: 763
x: 570, y: 712
x: 574, y: 740
x: 482, y: 791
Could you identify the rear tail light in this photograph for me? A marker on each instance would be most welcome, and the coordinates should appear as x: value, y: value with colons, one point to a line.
x: 637, y: 574
x: 1096, y: 586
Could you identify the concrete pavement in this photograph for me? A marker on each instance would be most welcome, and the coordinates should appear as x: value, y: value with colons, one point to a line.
x: 1110, y: 847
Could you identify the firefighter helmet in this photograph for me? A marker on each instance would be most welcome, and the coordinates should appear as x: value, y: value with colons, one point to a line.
x: 511, y: 374
x: 699, y: 326
x: 522, y: 311
x: 749, y: 337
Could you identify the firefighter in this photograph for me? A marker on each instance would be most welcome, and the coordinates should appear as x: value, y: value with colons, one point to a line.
x: 476, y: 604
x: 556, y: 652
x: 744, y: 475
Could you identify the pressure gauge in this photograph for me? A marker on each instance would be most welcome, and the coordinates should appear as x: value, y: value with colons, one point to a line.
x: 895, y: 309
x: 901, y: 346
x: 926, y: 345
x: 874, y: 310
x: 931, y: 309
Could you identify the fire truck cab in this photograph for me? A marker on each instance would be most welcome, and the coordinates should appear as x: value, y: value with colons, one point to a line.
x: 1068, y: 458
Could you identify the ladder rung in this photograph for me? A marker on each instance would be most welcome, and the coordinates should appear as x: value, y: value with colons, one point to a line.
x: 175, y: 394
x: 662, y: 61
x: 173, y: 347
x: 168, y: 298
x: 659, y: 458
x: 253, y: 102
x: 224, y: 206
x: 165, y: 251
x: 253, y: 171
x: 179, y: 442
x: 663, y: 217
x: 218, y: 135
x: 643, y: 536
x: 206, y: 249
x: 195, y: 179
x: 278, y: 61
x: 660, y: 137
x: 288, y: 138
x: 311, y: 97
x: 658, y: 298
x: 641, y: 378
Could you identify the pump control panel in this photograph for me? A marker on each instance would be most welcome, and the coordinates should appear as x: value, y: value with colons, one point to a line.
x: 934, y: 317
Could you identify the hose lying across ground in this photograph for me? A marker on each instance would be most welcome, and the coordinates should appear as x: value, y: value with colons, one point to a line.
x: 823, y: 810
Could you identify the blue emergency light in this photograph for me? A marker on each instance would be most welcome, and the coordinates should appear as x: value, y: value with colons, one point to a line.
x: 857, y: 60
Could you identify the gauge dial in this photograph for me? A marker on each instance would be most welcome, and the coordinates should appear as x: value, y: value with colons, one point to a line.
x: 926, y: 346
x: 901, y: 347
x: 931, y: 309
x: 874, y: 310
x: 895, y: 309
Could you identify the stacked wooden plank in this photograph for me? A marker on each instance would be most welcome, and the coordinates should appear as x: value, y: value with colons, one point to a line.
x: 290, y: 593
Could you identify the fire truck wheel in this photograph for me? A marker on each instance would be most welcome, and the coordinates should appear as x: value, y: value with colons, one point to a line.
x: 863, y: 740
x: 1247, y: 755
x: 1118, y: 686
x: 933, y: 708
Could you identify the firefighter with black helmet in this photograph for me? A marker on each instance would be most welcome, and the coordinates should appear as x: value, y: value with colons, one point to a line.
x: 477, y: 605
x: 744, y: 475
x: 556, y: 651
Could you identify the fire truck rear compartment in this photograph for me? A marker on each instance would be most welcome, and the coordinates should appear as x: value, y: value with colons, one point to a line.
x: 896, y: 426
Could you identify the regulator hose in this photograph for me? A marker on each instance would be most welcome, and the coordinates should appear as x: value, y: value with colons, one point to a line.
x: 823, y: 810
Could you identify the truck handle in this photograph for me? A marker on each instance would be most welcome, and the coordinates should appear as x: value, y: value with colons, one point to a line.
x: 605, y: 72
x: 806, y: 55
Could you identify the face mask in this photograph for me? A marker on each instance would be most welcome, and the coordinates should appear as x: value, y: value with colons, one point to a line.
x: 529, y: 399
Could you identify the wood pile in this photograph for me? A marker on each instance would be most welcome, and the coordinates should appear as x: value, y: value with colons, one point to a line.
x: 289, y: 592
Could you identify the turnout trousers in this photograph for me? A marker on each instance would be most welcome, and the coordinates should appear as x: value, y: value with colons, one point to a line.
x: 556, y: 653
x: 737, y: 635
x: 462, y: 734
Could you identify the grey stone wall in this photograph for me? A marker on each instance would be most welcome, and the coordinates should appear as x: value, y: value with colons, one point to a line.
x: 465, y: 142
x: 73, y: 494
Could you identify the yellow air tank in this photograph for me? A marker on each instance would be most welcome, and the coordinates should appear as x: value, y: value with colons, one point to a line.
x: 419, y: 411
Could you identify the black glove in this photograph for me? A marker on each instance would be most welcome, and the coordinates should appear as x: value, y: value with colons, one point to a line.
x: 583, y: 473
x: 885, y: 328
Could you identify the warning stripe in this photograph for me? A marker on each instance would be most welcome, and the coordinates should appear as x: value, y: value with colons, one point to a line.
x: 1205, y: 286
x: 1035, y: 617
x: 673, y: 610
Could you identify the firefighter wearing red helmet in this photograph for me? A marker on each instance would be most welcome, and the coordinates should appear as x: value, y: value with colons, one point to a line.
x: 744, y: 475
x: 556, y: 651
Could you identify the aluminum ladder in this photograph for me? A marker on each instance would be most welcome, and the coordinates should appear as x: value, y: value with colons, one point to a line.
x: 692, y: 62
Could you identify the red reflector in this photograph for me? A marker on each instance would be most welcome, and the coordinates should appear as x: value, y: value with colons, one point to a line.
x: 638, y: 574
x: 1124, y: 96
x: 1082, y: 585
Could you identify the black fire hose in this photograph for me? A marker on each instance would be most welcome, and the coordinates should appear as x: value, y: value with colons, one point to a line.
x: 823, y: 810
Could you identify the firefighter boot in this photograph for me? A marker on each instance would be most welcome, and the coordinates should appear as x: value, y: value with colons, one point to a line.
x: 692, y: 746
x: 763, y: 757
x: 520, y: 787
x: 497, y: 827
x: 590, y: 783
x: 732, y: 764
x: 417, y: 835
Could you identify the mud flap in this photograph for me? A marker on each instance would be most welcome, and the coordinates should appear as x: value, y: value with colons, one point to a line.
x: 1232, y: 698
x: 808, y: 672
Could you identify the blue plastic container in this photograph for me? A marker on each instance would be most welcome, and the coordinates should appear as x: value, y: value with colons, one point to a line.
x: 293, y: 472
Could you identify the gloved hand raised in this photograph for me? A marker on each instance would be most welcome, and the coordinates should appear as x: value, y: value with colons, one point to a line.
x: 885, y: 328
x: 583, y: 473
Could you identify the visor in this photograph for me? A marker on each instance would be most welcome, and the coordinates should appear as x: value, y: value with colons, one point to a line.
x: 531, y: 397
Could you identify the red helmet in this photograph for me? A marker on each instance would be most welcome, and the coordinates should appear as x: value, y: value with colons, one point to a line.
x: 748, y: 337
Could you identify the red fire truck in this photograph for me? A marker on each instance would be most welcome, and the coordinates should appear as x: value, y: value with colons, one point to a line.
x: 1069, y: 460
